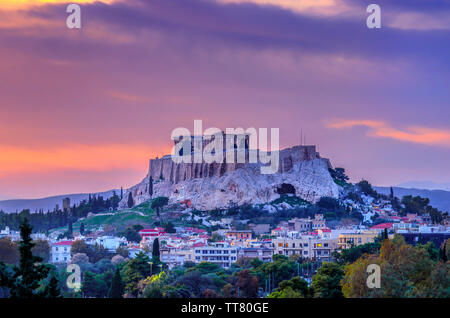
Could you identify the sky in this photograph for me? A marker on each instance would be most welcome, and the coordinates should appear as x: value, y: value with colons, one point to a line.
x: 83, y: 110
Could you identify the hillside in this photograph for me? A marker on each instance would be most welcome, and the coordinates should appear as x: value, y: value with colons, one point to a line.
x: 49, y: 203
x: 438, y: 198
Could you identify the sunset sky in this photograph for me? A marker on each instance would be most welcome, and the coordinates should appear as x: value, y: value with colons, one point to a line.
x: 84, y: 110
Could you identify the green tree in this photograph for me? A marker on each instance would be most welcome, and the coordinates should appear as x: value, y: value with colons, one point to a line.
x: 155, y: 250
x: 339, y: 176
x: 98, y: 252
x: 247, y: 284
x: 9, y: 252
x: 169, y: 227
x: 130, y: 201
x: 132, y: 234
x: 27, y: 276
x: 296, y: 284
x: 150, y: 186
x: 326, y: 282
x: 134, y: 271
x: 52, y: 289
x: 366, y: 188
x: 82, y: 228
x: 42, y: 249
x: 158, y: 203
x: 415, y: 204
x: 89, y: 285
x: 70, y: 227
x: 116, y: 290
x: 406, y: 271
x: 287, y: 292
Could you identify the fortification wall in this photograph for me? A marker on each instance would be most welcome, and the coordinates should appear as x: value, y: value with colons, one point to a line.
x: 166, y: 169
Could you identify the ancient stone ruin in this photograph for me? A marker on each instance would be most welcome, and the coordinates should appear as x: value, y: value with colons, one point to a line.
x: 302, y: 172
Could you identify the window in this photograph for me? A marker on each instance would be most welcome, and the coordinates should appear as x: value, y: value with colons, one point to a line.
x: 305, y: 252
x: 280, y: 244
x: 233, y: 251
x: 325, y: 244
x: 293, y: 244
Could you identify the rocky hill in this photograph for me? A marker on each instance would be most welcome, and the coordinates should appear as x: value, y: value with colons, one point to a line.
x: 215, y: 186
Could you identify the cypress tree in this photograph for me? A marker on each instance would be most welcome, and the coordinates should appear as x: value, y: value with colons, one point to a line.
x: 150, y: 187
x: 130, y: 200
x: 52, y: 289
x: 121, y: 193
x: 82, y: 228
x: 70, y: 230
x: 155, y: 250
x: 29, y: 272
x: 116, y: 290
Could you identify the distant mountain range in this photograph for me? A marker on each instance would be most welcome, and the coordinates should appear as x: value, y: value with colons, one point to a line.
x: 429, y: 185
x: 11, y: 206
x: 438, y: 198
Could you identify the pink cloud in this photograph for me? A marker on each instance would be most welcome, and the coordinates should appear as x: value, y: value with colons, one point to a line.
x: 421, y: 135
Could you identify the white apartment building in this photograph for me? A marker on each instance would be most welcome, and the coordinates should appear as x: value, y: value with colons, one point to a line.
x: 111, y: 243
x: 218, y: 253
x: 306, y: 247
x: 174, y: 256
x: 61, y: 252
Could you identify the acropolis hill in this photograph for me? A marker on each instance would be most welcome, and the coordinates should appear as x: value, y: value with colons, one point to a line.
x: 211, y: 186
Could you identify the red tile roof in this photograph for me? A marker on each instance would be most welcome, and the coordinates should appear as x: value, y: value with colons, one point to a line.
x: 63, y: 243
x: 382, y: 226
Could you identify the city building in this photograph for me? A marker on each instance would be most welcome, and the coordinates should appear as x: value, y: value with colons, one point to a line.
x: 239, y: 235
x: 306, y: 246
x: 262, y: 253
x: 347, y: 240
x: 61, y: 252
x: 218, y: 253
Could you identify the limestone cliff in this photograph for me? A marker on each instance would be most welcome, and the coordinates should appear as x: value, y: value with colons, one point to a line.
x: 213, y: 186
